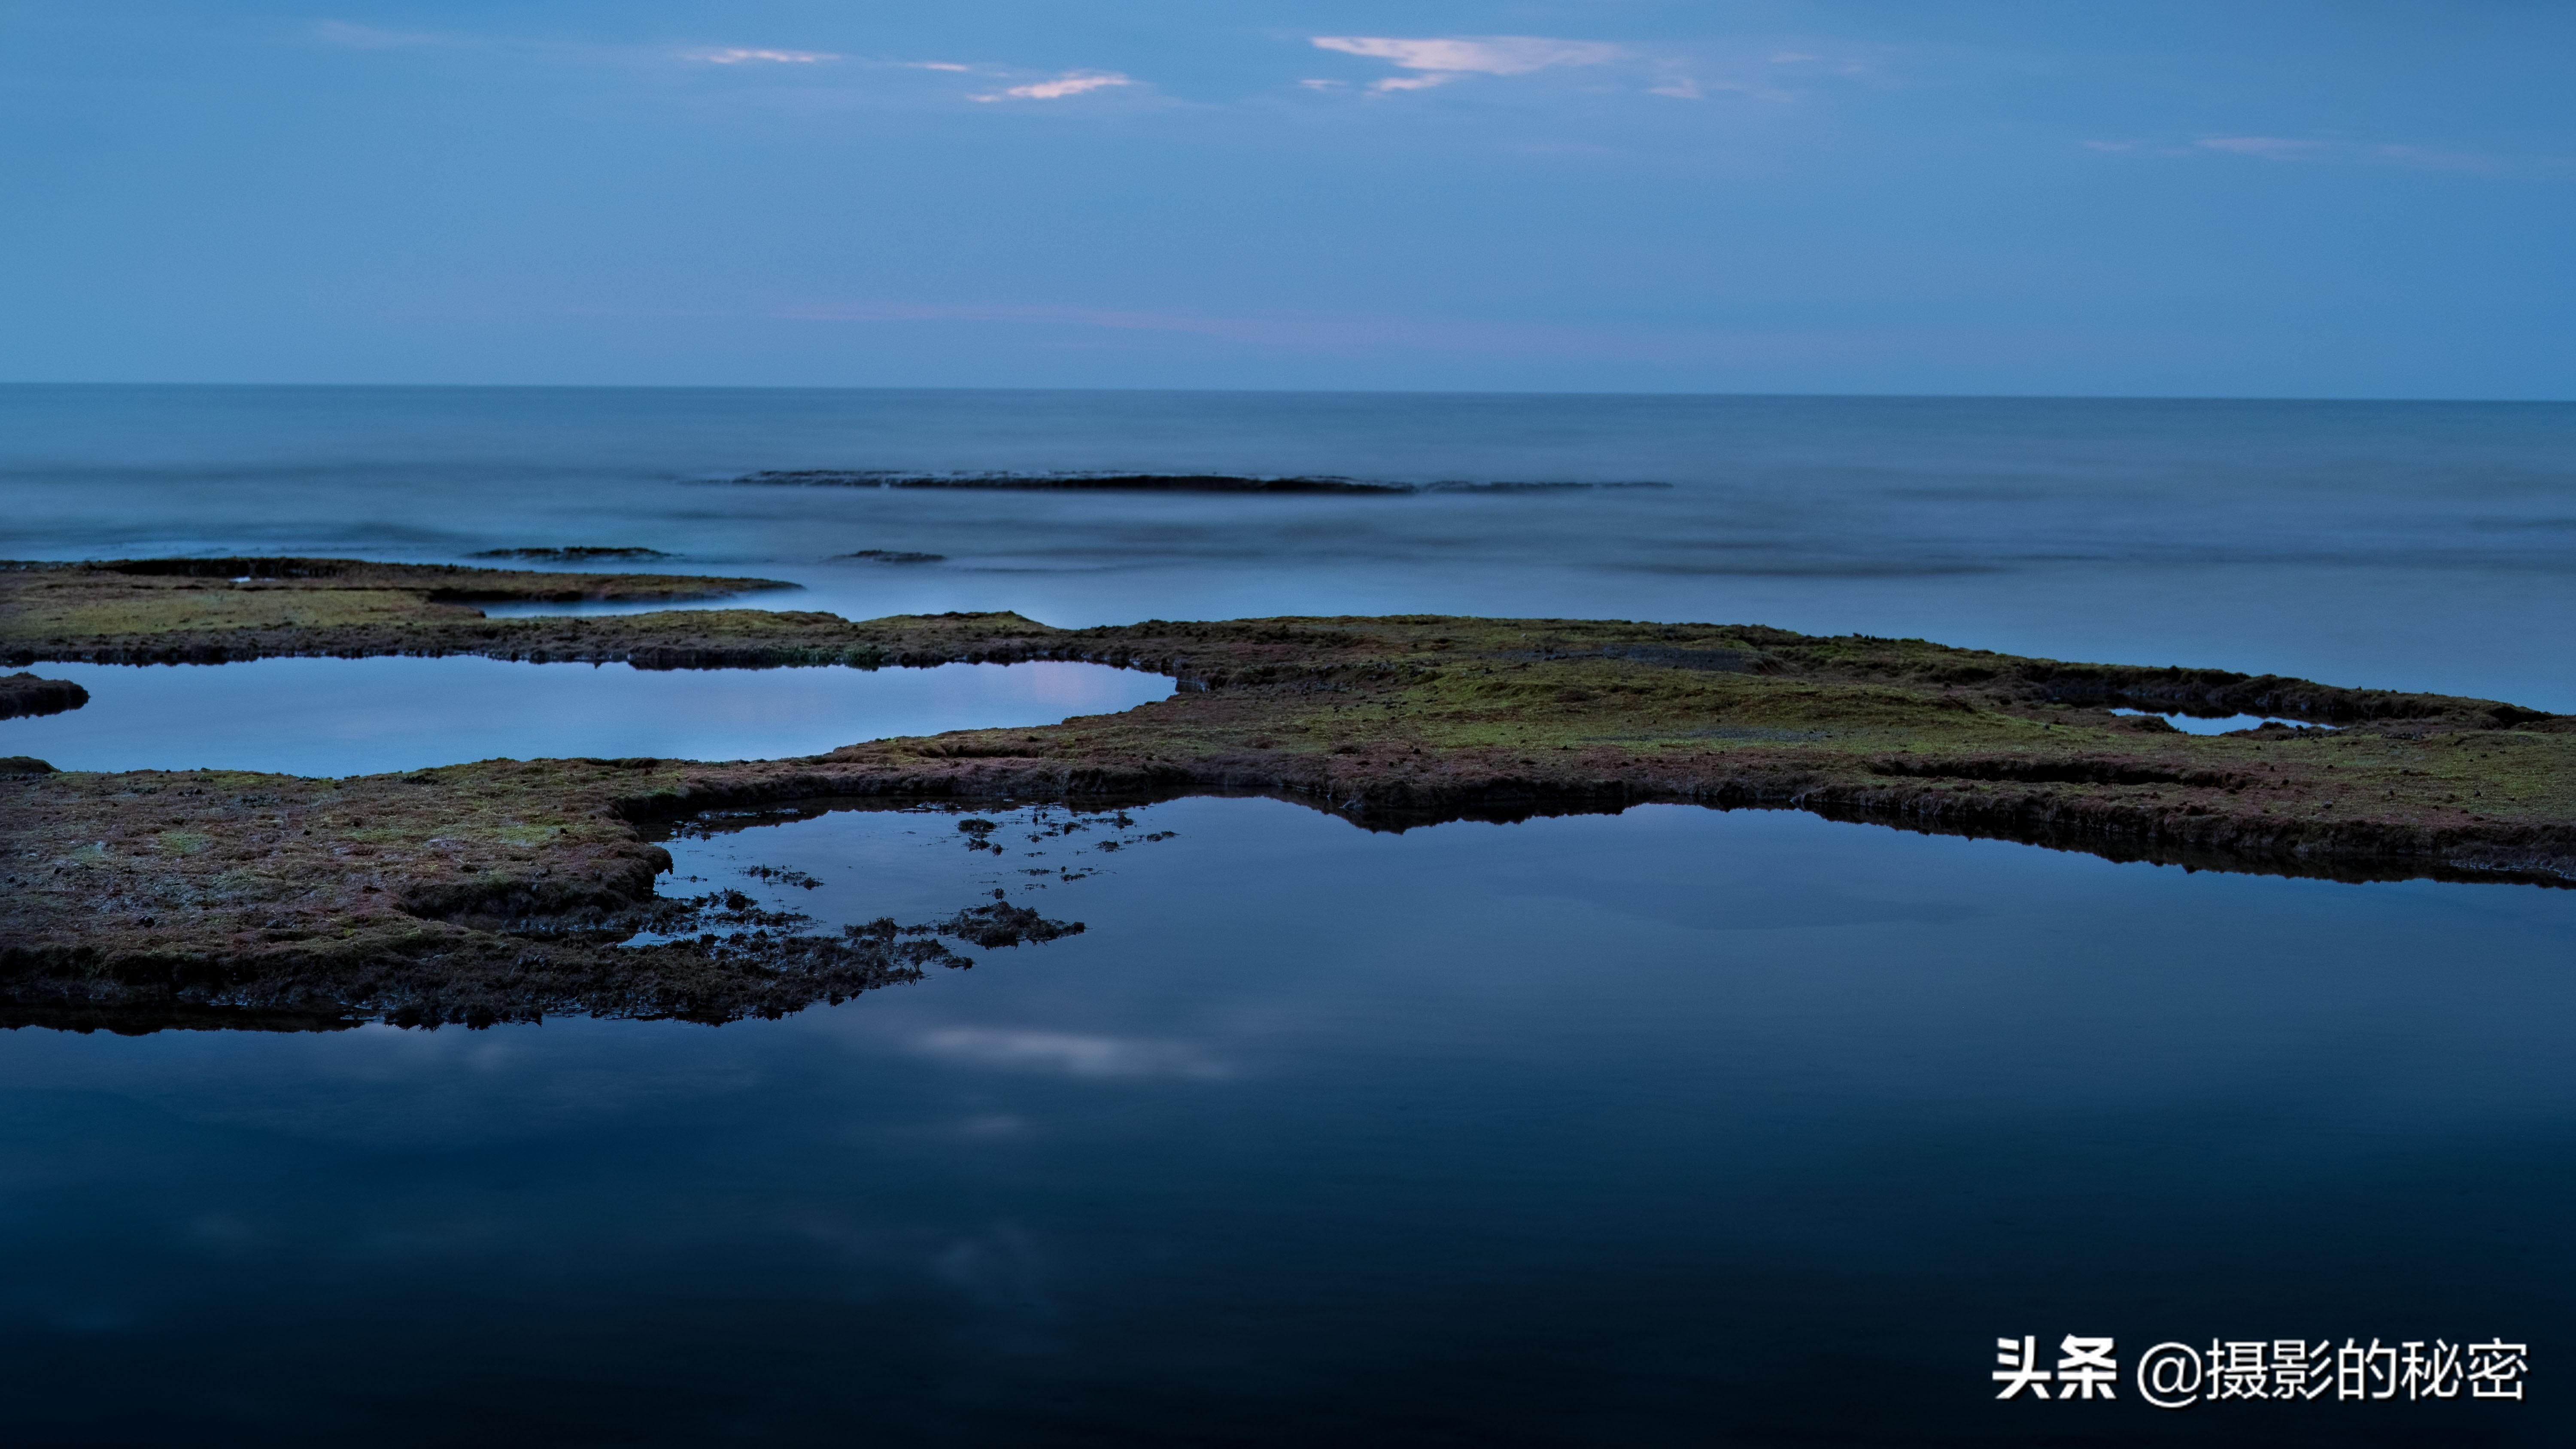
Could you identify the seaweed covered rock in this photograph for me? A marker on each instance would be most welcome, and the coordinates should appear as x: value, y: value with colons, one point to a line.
x: 1387, y: 722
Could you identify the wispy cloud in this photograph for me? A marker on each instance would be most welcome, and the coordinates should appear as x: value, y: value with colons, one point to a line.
x: 1064, y: 1054
x: 1494, y: 55
x: 1060, y: 86
x: 1071, y: 83
x: 1437, y: 62
x: 2270, y: 148
x: 1808, y: 62
x: 368, y: 37
x: 2345, y: 152
x: 345, y: 36
x: 736, y: 55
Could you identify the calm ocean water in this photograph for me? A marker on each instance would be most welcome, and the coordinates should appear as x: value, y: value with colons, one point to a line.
x: 1677, y: 1127
x: 2417, y: 545
x: 373, y: 716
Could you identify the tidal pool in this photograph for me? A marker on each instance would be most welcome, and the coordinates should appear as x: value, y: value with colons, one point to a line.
x: 367, y: 716
x: 2192, y: 724
x: 1674, y: 1127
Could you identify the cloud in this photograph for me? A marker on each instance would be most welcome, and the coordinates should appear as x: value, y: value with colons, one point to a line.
x: 741, y: 56
x: 367, y: 37
x: 1071, y: 83
x: 1442, y: 61
x: 1494, y: 55
x: 2270, y: 148
x: 935, y: 65
x: 2339, y: 152
x: 1055, y: 1053
x: 2392, y: 153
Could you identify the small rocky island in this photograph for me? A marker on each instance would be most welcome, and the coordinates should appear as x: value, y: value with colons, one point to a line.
x: 501, y: 890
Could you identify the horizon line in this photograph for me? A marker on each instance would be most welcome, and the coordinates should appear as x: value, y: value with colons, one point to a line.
x: 1747, y: 395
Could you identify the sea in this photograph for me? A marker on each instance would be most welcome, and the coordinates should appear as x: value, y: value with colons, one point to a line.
x: 1675, y: 1126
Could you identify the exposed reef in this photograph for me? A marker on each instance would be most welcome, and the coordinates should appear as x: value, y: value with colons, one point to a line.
x: 201, y: 888
x: 208, y: 610
x: 1141, y: 482
x: 26, y: 694
x: 894, y: 556
x: 1067, y: 482
x: 569, y: 555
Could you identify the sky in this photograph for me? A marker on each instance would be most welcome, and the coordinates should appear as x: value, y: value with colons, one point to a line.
x: 2347, y: 199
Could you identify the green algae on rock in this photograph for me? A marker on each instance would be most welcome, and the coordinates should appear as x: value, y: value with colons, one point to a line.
x: 207, y: 610
x: 203, y: 888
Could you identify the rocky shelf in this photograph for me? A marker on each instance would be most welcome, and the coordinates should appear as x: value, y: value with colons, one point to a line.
x: 188, y: 891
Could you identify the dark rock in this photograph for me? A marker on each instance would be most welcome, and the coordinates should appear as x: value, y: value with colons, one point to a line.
x: 1072, y: 482
x: 569, y: 555
x: 1003, y: 924
x: 26, y: 694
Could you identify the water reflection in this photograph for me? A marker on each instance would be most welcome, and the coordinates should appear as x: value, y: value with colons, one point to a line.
x: 2192, y: 724
x: 1673, y: 1127
x: 368, y: 716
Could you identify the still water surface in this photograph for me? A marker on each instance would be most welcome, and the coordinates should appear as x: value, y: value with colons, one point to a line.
x: 1678, y: 1127
x: 369, y: 716
x: 2394, y: 545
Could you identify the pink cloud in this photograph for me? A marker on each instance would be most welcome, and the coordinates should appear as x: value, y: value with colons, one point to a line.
x: 1071, y: 83
x: 1441, y: 61
x: 743, y: 56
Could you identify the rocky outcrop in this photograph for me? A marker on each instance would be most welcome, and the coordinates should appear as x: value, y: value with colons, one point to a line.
x: 25, y: 694
x: 189, y: 886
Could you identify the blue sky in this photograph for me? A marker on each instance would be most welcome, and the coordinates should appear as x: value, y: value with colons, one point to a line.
x: 2239, y: 199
